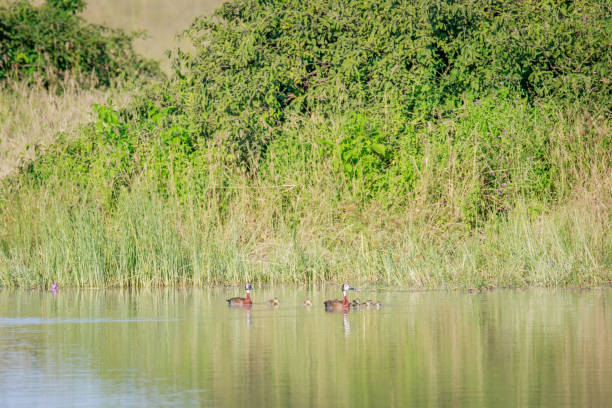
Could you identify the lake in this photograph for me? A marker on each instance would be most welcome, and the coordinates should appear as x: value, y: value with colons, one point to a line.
x: 178, y: 347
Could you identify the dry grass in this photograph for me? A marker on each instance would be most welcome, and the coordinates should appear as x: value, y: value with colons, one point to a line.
x: 149, y: 241
x: 298, y: 229
x: 31, y: 117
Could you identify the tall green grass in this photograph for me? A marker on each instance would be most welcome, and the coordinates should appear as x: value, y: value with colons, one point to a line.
x: 300, y: 223
x: 32, y: 116
x: 430, y: 144
x: 151, y: 243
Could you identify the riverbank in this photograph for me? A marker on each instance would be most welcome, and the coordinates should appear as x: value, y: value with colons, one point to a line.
x: 293, y: 145
x: 297, y: 231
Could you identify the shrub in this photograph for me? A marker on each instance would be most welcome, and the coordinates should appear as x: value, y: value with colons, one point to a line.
x: 444, y: 102
x: 405, y: 141
x: 258, y: 63
x: 52, y: 39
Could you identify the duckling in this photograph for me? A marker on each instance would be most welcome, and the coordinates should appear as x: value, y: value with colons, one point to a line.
x: 331, y: 305
x: 377, y: 304
x: 367, y: 303
x: 308, y: 303
x: 355, y: 303
x: 273, y: 302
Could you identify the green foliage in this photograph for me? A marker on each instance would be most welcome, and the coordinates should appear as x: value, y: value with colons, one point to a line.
x: 362, y: 154
x: 332, y: 118
x: 50, y: 40
x: 258, y: 63
x: 469, y: 85
x: 68, y: 5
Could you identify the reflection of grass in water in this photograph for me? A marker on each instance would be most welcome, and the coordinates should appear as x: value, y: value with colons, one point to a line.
x: 435, y: 347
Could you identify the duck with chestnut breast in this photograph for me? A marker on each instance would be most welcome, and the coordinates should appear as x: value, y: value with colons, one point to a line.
x: 336, y: 304
x: 242, y: 301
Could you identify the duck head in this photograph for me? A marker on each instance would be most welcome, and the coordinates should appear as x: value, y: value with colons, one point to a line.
x: 346, y: 287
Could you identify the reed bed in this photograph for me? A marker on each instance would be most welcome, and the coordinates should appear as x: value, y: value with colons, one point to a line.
x: 296, y: 159
x: 32, y: 117
x: 148, y: 240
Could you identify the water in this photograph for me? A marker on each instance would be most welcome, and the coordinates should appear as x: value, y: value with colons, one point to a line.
x: 187, y: 347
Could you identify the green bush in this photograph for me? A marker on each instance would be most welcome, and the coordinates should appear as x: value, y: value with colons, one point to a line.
x: 420, y: 142
x: 52, y: 39
x: 446, y: 103
x: 258, y: 63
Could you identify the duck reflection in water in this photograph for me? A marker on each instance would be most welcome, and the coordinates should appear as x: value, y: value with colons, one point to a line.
x: 346, y: 324
x: 248, y: 315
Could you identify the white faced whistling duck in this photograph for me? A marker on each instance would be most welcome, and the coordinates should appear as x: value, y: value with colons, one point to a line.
x: 237, y: 301
x: 308, y: 302
x: 272, y: 302
x: 339, y: 304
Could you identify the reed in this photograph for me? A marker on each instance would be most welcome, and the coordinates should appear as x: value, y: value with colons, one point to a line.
x: 33, y: 116
x: 148, y: 240
x: 295, y: 159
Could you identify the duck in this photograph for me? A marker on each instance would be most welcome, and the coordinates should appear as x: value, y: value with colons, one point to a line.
x: 377, y: 304
x: 367, y: 303
x: 308, y: 303
x: 272, y: 302
x: 239, y: 301
x: 339, y: 304
x: 355, y: 303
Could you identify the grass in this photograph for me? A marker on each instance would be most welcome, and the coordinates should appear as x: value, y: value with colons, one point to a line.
x: 305, y: 228
x: 32, y: 117
x: 277, y: 153
x: 150, y: 243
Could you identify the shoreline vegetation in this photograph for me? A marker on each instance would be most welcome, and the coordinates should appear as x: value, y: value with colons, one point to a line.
x: 416, y: 144
x: 32, y: 117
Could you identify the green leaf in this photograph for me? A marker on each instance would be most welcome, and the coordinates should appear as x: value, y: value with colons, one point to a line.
x: 379, y: 149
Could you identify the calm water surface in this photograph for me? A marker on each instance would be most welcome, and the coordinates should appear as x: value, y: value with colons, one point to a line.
x: 187, y: 347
